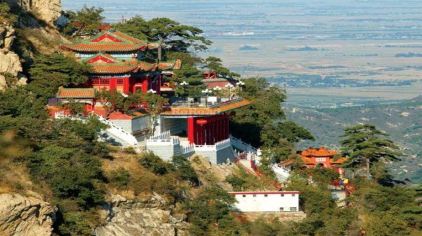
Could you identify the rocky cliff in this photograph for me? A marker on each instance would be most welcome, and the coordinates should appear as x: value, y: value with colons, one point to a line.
x: 148, y: 216
x: 10, y: 63
x: 25, y: 216
x: 45, y: 10
x: 34, y: 27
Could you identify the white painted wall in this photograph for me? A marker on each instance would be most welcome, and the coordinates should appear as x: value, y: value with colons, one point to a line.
x: 266, y: 201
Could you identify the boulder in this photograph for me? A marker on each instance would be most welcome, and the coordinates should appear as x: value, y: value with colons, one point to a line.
x: 25, y: 216
x: 141, y: 217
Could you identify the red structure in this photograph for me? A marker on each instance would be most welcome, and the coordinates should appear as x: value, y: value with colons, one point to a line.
x: 208, y: 130
x: 115, y: 59
x: 323, y: 157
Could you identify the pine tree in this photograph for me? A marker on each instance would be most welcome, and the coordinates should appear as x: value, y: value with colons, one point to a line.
x: 366, y: 145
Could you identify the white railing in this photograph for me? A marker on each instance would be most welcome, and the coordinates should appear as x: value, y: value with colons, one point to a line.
x: 239, y: 144
x: 281, y: 173
x: 215, y: 147
x: 164, y: 138
x: 187, y: 150
x: 113, y: 130
x: 118, y: 132
x: 164, y: 135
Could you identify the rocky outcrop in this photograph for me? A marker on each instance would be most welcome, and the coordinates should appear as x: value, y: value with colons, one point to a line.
x: 149, y: 216
x: 9, y: 61
x: 45, y: 10
x: 25, y: 216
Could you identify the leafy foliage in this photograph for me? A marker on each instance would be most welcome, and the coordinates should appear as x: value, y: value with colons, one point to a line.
x: 215, y: 64
x: 176, y: 37
x: 153, y: 163
x: 49, y: 72
x: 185, y: 170
x: 209, y: 212
x: 365, y: 145
x: 85, y: 22
x: 120, y: 177
x: 6, y: 15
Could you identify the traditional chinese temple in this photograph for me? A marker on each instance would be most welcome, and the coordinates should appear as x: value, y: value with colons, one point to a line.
x: 323, y: 157
x: 119, y: 62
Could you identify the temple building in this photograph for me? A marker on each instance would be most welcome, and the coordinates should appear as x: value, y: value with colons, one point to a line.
x: 119, y: 62
x: 323, y: 157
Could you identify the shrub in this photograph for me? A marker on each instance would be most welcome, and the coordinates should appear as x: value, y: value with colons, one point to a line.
x: 185, y: 170
x: 120, y: 177
x: 153, y: 163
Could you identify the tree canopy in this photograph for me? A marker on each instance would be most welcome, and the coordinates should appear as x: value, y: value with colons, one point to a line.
x: 49, y: 72
x: 175, y: 36
x: 366, y: 145
x: 216, y: 64
x: 85, y: 22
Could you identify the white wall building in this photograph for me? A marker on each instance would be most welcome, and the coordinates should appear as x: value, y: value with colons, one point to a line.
x: 278, y: 201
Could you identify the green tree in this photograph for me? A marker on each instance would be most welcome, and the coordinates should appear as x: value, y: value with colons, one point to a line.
x: 365, y: 145
x: 175, y: 36
x: 156, y: 105
x: 279, y: 137
x: 247, y: 123
x: 209, y: 212
x: 215, y: 64
x: 70, y: 173
x: 85, y: 22
x: 188, y: 73
x: 6, y: 16
x: 49, y: 72
x: 113, y: 100
x: 153, y: 163
x: 185, y: 170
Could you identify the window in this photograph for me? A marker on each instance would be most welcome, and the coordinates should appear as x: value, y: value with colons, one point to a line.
x: 293, y: 209
x: 243, y: 195
x: 293, y: 195
x: 320, y: 159
x: 254, y: 195
x: 119, y: 81
x: 282, y: 195
x: 265, y: 195
x: 281, y: 208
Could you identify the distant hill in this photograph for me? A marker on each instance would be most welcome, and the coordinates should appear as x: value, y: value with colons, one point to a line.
x: 402, y: 120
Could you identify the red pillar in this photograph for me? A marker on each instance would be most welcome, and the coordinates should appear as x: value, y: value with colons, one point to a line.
x: 145, y: 84
x: 112, y: 84
x: 191, y: 129
x: 126, y: 85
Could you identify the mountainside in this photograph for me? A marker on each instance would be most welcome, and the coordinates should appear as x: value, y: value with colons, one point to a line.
x: 26, y: 27
x: 401, y: 120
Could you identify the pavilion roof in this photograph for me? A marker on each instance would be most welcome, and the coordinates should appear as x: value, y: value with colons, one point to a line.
x: 76, y: 93
x: 110, y: 41
x: 318, y: 152
x: 107, y: 64
x: 204, y: 111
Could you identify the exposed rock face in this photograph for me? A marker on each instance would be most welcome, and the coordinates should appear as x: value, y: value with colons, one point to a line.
x: 46, y: 10
x: 141, y: 217
x: 9, y: 61
x: 25, y: 216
